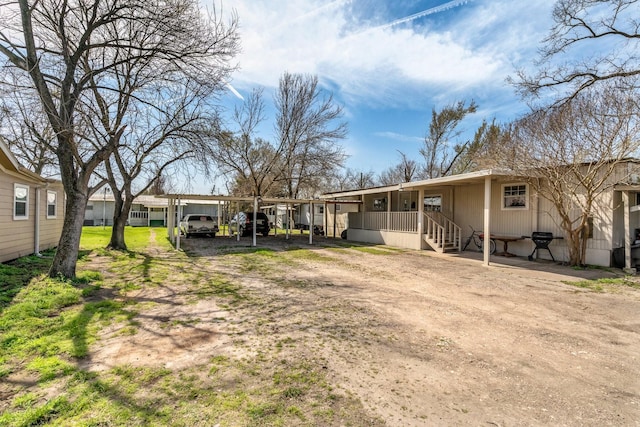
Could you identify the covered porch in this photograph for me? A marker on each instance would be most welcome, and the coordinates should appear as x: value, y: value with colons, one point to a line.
x: 439, y: 213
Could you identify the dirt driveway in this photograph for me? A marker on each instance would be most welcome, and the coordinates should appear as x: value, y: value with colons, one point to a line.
x: 424, y: 339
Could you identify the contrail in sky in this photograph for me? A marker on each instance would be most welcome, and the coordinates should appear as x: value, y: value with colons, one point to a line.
x: 234, y: 91
x: 332, y: 5
x: 431, y: 11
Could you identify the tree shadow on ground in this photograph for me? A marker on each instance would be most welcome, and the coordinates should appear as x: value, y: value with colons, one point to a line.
x: 17, y: 274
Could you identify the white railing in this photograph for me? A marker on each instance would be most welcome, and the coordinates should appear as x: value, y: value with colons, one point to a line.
x: 384, y: 221
x: 440, y: 231
x: 138, y: 214
x: 404, y: 221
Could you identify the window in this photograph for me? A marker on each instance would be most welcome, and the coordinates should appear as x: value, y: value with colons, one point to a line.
x: 21, y: 201
x: 320, y: 209
x: 433, y: 203
x: 52, y: 202
x: 337, y: 205
x: 514, y: 196
x: 380, y: 204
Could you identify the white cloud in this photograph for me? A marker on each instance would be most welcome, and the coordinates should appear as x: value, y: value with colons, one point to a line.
x: 476, y: 48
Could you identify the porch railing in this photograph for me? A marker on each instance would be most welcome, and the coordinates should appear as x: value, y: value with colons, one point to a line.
x: 384, y: 221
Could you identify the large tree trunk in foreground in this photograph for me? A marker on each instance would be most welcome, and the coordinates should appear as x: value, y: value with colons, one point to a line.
x: 64, y: 261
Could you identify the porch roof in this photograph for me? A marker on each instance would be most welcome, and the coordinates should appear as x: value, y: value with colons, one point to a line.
x: 461, y: 179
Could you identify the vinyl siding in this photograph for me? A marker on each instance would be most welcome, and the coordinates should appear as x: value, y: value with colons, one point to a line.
x: 17, y: 237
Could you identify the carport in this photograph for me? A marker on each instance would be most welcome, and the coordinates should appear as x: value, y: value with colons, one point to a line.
x: 175, y: 210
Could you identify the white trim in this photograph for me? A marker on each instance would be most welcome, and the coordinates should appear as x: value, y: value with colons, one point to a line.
x: 26, y: 208
x: 518, y: 207
x: 55, y: 204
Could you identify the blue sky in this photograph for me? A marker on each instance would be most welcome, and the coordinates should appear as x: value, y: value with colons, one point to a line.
x: 390, y: 62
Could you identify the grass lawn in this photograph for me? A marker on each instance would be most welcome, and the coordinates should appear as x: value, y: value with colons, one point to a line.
x: 47, y: 327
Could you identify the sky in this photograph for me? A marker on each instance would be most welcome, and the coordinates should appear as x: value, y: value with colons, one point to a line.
x: 389, y: 63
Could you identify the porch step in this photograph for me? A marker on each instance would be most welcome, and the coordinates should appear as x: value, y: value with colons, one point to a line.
x: 448, y: 246
x: 440, y: 232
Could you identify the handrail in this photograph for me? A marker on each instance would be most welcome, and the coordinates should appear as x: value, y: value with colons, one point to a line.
x: 441, y: 231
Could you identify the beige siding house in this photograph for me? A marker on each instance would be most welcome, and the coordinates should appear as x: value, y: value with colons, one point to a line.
x: 31, y: 209
x: 440, y: 214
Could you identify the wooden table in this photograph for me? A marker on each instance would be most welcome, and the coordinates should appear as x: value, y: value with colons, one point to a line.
x: 506, y: 239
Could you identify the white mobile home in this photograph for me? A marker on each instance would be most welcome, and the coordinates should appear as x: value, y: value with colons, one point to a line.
x: 146, y: 210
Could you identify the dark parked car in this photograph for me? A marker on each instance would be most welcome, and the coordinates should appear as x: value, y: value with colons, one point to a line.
x: 244, y: 222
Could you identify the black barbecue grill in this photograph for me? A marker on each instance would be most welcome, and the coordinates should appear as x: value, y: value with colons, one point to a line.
x: 542, y: 239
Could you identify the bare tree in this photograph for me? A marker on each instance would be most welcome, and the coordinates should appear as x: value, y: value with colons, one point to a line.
x: 27, y: 132
x: 571, y: 155
x: 63, y: 48
x: 441, y: 148
x: 352, y: 179
x: 250, y: 162
x: 405, y: 171
x: 168, y: 133
x: 478, y: 153
x: 610, y: 28
x: 308, y: 127
x: 305, y: 150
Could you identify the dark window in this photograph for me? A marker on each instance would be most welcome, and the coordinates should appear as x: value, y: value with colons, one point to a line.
x: 52, y: 199
x: 21, y: 201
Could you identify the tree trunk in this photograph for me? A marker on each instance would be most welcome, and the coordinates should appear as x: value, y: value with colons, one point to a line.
x: 117, y: 233
x: 575, y: 245
x: 64, y: 261
x: 120, y: 216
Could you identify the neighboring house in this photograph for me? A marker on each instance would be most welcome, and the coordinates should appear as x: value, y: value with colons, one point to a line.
x: 146, y: 210
x: 303, y: 217
x: 332, y: 217
x: 31, y: 209
x: 277, y: 215
x: 436, y: 214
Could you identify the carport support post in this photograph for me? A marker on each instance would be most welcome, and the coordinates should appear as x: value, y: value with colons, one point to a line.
x: 487, y: 220
x: 627, y: 232
x: 421, y: 218
x: 171, y: 219
x: 288, y: 228
x: 255, y: 218
x: 311, y: 209
x: 179, y: 218
x: 237, y: 221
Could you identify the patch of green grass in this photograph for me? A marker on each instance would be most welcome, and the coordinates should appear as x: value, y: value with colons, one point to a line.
x: 16, y: 274
x: 50, y: 367
x: 218, y: 285
x: 373, y: 250
x: 605, y: 284
x: 49, y: 318
x: 49, y: 323
x: 36, y: 415
x: 307, y: 255
x: 136, y: 238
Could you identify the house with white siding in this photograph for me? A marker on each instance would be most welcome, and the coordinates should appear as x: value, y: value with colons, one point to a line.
x: 439, y: 214
x: 146, y: 210
x: 31, y: 209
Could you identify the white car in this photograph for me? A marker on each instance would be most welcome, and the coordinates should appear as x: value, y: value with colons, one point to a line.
x: 198, y: 224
